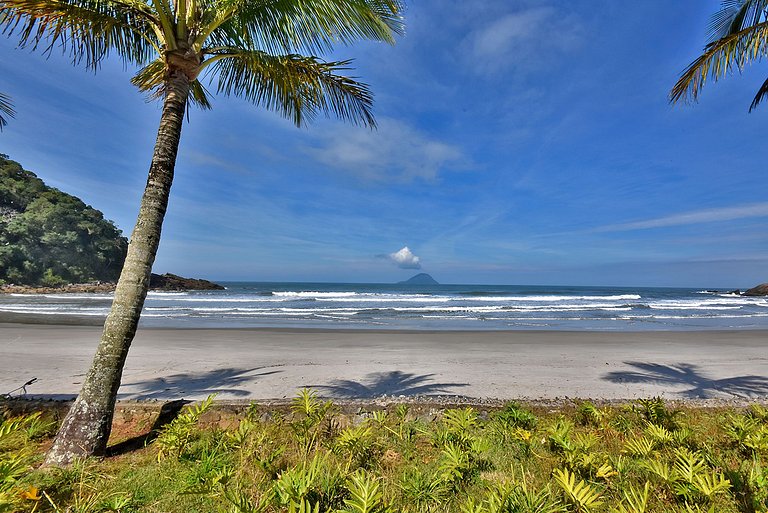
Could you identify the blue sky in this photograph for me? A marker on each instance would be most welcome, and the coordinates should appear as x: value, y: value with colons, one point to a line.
x: 518, y: 143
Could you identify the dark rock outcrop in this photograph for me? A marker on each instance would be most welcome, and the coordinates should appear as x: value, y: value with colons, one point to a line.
x: 70, y: 288
x: 174, y: 282
x: 760, y: 290
x: 169, y: 282
x: 419, y: 279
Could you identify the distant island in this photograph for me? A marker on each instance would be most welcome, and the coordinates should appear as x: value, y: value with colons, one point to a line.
x: 419, y: 279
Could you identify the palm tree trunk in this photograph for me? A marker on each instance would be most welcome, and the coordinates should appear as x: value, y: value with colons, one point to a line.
x: 86, y: 428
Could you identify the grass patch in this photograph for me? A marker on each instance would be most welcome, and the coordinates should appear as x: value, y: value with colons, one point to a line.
x: 639, y: 457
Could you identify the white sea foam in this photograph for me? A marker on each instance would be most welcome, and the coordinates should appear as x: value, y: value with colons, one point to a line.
x: 314, y: 294
x: 393, y: 308
x: 619, y: 297
x: 95, y: 295
x: 43, y: 311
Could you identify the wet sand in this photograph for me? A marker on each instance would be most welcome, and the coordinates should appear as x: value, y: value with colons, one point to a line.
x: 274, y: 363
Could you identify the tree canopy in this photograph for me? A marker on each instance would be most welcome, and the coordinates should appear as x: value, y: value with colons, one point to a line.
x: 48, y: 237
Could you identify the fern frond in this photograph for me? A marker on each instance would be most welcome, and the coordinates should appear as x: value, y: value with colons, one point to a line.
x: 635, y: 501
x: 582, y: 495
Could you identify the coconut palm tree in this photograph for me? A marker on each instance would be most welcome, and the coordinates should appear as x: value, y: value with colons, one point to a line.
x: 254, y: 49
x: 6, y: 107
x: 738, y: 36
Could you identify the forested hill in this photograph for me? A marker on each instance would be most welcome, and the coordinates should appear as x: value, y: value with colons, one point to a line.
x: 48, y: 237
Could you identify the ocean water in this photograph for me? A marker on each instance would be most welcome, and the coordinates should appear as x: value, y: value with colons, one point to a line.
x: 431, y: 307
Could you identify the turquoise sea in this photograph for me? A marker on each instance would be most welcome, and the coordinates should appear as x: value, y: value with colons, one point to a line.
x: 431, y: 307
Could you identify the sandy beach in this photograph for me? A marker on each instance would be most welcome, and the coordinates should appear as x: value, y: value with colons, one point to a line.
x: 274, y: 363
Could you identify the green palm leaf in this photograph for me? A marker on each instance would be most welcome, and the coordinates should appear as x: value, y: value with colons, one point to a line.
x: 299, y: 88
x: 89, y: 30
x: 738, y: 37
x: 310, y: 26
x: 6, y: 108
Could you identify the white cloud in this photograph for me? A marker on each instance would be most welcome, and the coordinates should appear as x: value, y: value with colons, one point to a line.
x: 393, y: 152
x: 694, y: 217
x: 405, y: 259
x: 525, y: 38
x: 498, y: 36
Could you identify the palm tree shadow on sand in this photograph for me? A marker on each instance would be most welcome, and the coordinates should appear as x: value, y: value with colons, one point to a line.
x: 377, y: 384
x: 690, y: 375
x: 217, y: 381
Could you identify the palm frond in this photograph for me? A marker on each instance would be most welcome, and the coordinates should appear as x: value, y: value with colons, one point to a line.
x: 297, y: 87
x: 198, y: 94
x: 6, y: 108
x: 151, y: 80
x: 310, y: 27
x: 734, y: 16
x: 89, y: 30
x: 760, y: 96
x: 721, y: 58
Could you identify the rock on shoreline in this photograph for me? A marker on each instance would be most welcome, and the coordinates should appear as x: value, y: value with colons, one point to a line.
x: 167, y: 282
x: 760, y: 290
x: 170, y: 281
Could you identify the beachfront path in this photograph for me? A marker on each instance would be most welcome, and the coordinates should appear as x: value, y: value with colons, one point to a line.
x: 274, y: 363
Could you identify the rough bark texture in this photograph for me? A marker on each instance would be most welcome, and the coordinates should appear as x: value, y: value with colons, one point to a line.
x: 86, y: 428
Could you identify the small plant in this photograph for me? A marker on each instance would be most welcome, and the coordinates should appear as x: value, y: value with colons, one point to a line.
x: 309, y: 413
x: 514, y: 415
x: 659, y: 470
x: 750, y: 483
x: 365, y: 495
x: 634, y: 501
x: 455, y: 465
x: 580, y: 494
x: 174, y: 439
x: 590, y: 415
x: 692, y: 481
x: 422, y: 491
x: 294, y: 485
x: 560, y: 436
x: 660, y: 435
x: 266, y: 454
x: 655, y: 411
x: 356, y: 443
x: 640, y: 447
x: 524, y: 498
x: 460, y: 425
x: 15, y: 431
x: 514, y: 424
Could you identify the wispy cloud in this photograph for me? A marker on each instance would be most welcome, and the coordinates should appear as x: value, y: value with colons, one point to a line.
x: 515, y: 39
x: 695, y: 217
x: 208, y: 160
x: 393, y: 152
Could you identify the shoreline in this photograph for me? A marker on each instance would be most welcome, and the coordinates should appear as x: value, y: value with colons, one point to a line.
x: 70, y: 320
x: 273, y: 363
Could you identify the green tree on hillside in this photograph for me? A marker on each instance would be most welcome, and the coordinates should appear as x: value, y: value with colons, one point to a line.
x: 48, y: 237
x: 6, y: 108
x: 738, y: 36
x: 246, y: 48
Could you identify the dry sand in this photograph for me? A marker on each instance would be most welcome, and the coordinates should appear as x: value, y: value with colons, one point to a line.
x: 274, y: 363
